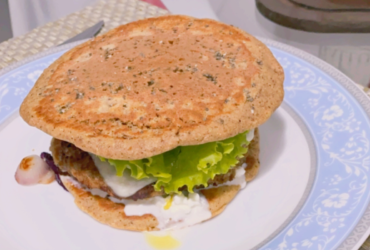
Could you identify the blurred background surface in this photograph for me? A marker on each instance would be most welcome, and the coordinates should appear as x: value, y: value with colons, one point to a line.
x: 349, y: 52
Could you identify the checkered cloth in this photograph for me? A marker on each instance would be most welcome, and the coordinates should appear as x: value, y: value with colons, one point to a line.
x: 113, y: 12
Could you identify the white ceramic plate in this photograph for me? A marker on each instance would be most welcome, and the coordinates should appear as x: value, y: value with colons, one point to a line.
x: 312, y: 191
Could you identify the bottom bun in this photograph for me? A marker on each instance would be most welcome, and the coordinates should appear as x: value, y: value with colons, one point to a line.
x: 108, y: 212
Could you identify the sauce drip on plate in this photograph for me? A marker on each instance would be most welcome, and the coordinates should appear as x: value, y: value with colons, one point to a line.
x: 162, y: 242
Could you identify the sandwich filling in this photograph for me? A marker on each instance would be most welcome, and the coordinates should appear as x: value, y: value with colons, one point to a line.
x: 135, y: 184
x: 179, y: 171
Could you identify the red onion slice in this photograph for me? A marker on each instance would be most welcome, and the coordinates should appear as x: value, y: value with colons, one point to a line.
x: 50, y: 161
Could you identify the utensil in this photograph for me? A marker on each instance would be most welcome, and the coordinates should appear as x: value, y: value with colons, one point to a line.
x: 88, y: 33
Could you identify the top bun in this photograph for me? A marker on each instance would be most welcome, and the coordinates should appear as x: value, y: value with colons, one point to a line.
x: 149, y: 86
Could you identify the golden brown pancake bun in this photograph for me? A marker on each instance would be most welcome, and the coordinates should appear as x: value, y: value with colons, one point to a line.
x: 149, y: 86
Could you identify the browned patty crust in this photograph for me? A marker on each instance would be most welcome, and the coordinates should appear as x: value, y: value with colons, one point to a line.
x: 80, y: 165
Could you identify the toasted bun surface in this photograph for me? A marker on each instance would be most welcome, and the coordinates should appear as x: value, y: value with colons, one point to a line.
x: 149, y: 86
x: 112, y: 214
x: 107, y: 212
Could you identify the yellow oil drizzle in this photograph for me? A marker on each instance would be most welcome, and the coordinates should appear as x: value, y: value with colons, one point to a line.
x: 162, y: 242
x: 168, y: 203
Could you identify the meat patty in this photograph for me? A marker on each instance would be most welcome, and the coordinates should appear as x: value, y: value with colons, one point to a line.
x: 79, y: 164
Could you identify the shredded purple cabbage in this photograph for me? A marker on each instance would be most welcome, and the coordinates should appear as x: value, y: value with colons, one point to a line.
x: 50, y: 161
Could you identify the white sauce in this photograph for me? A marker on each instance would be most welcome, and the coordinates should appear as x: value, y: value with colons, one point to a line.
x: 239, y: 178
x: 250, y: 135
x: 183, y: 211
x: 124, y: 185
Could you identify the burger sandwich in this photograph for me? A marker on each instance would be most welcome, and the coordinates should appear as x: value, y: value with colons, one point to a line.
x: 155, y: 123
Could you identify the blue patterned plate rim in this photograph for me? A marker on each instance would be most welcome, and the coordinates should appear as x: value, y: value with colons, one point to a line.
x: 336, y: 214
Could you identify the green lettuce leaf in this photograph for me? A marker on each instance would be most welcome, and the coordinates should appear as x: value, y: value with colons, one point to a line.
x: 189, y: 166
